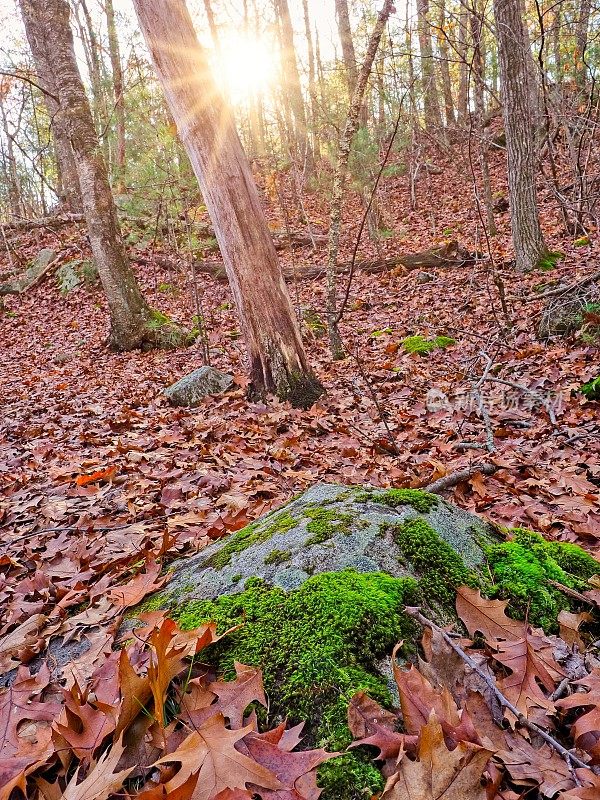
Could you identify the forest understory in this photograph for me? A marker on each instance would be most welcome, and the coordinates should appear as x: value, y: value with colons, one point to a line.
x: 81, y: 409
x: 101, y: 476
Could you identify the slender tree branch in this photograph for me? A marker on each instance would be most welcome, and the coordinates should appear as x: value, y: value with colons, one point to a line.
x: 572, y: 760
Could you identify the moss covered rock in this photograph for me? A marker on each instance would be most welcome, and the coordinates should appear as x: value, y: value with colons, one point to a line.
x: 331, y: 528
x: 318, y: 591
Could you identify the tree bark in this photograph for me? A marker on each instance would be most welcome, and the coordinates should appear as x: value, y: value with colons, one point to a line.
x: 581, y: 36
x: 129, y: 313
x: 479, y: 128
x: 431, y: 106
x: 463, y: 68
x: 10, y: 167
x: 445, y: 67
x: 95, y: 68
x: 515, y: 60
x: 312, y: 84
x: 70, y: 196
x: 341, y: 172
x: 291, y: 80
x: 345, y: 33
x: 276, y: 354
x: 119, y: 97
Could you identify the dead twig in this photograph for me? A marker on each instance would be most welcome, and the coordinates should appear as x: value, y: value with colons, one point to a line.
x: 454, y: 478
x: 571, y: 759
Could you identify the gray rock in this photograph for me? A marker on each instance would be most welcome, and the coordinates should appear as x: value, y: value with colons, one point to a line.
x: 189, y: 390
x: 326, y: 529
x: 425, y: 277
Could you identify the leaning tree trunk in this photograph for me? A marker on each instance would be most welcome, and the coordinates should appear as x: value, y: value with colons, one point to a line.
x: 514, y: 57
x: 277, y: 359
x: 129, y: 314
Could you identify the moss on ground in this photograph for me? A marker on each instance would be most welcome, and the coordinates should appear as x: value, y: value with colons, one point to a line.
x: 421, y: 346
x: 255, y: 533
x: 523, y: 567
x: 438, y: 566
x: 421, y: 501
x: 352, y: 775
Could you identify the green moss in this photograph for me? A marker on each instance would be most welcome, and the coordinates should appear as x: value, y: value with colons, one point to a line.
x: 439, y: 567
x: 155, y: 603
x: 350, y: 776
x: 523, y: 567
x: 317, y: 645
x: 248, y: 536
x: 591, y: 389
x: 277, y: 557
x: 421, y: 501
x: 157, y: 319
x: 325, y: 524
x: 549, y: 260
x: 421, y: 346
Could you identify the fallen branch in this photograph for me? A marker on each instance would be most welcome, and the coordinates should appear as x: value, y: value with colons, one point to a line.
x: 572, y: 760
x: 595, y: 276
x: 448, y: 255
x: 43, y: 222
x: 30, y: 278
x: 526, y: 390
x: 454, y: 478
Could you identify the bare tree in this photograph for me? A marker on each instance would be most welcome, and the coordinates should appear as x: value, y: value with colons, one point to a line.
x: 516, y: 75
x: 68, y: 182
x: 276, y: 354
x: 48, y: 31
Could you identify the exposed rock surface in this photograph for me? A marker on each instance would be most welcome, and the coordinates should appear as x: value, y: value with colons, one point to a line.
x: 189, y: 390
x: 327, y: 529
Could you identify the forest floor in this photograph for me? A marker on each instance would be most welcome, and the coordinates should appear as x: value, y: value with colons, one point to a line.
x: 97, y: 470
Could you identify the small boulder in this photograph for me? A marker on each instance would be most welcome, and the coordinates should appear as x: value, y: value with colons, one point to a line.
x: 189, y: 390
x: 425, y: 277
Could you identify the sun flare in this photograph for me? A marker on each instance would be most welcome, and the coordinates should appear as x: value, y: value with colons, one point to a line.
x: 246, y: 67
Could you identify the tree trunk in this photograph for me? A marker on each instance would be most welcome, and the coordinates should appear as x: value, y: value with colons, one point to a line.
x: 581, y: 36
x: 345, y: 33
x: 431, y: 106
x: 276, y: 355
x: 514, y: 56
x: 340, y: 175
x: 463, y: 67
x: 312, y: 84
x: 93, y: 58
x: 117, y: 75
x: 291, y: 80
x: 129, y: 313
x: 212, y: 25
x: 479, y: 128
x: 10, y: 168
x: 445, y: 67
x: 70, y: 195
